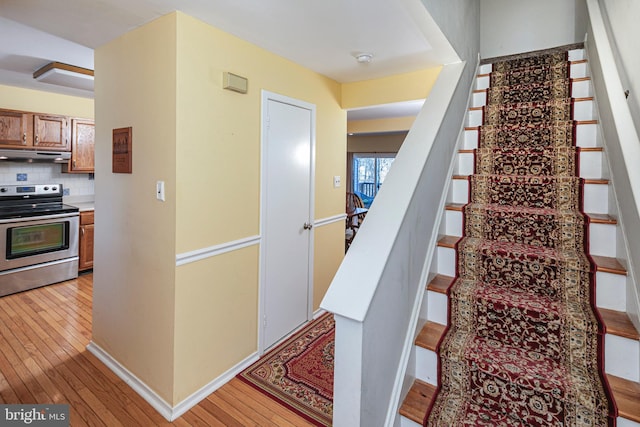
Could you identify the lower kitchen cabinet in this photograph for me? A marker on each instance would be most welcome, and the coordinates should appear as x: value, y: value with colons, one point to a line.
x: 86, y: 241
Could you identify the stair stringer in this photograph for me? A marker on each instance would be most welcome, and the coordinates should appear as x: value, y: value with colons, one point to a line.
x: 621, y: 141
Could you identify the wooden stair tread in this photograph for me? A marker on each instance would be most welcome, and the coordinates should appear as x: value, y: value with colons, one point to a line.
x: 578, y: 61
x: 586, y: 122
x: 465, y: 177
x: 466, y: 151
x: 472, y: 128
x: 430, y: 335
x: 596, y: 181
x: 584, y: 98
x: 455, y: 206
x: 601, y: 219
x: 618, y: 323
x: 609, y: 265
x: 440, y: 283
x: 448, y: 241
x: 627, y: 396
x: 592, y: 149
x: 581, y: 79
x: 417, y: 402
x: 476, y: 108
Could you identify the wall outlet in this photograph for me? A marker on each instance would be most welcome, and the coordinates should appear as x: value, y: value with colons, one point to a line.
x: 160, y: 190
x: 336, y: 181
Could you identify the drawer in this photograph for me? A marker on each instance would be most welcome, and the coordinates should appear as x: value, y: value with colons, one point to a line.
x: 86, y: 217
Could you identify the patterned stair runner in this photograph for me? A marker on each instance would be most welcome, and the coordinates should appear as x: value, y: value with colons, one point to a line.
x: 523, y: 346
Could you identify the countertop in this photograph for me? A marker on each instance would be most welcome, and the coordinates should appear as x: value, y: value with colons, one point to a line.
x: 84, y: 203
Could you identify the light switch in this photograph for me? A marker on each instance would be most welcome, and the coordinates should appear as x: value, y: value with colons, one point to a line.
x: 160, y: 190
x: 336, y: 181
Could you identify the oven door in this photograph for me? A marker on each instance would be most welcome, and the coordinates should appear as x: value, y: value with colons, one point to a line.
x: 35, y: 240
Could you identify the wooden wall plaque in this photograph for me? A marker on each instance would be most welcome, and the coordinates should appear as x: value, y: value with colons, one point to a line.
x: 121, y: 162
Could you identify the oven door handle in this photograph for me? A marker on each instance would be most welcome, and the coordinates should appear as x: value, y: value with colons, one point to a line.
x: 38, y: 218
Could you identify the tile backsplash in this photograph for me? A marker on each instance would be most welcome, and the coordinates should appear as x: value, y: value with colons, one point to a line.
x: 41, y: 173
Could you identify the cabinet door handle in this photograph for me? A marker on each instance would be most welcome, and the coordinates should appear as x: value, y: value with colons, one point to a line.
x: 82, y: 231
x: 24, y: 137
x: 37, y: 139
x: 74, y: 163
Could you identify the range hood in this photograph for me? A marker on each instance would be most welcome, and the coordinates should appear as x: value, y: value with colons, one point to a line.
x: 34, y: 156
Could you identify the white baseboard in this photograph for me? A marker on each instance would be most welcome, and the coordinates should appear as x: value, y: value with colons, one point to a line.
x: 157, y: 402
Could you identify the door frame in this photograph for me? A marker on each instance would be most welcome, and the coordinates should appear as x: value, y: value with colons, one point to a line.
x: 264, y: 123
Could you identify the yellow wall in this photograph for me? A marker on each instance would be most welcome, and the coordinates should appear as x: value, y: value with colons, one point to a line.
x: 134, y: 270
x: 17, y: 98
x: 387, y: 90
x: 379, y: 143
x: 394, y: 124
x: 180, y: 327
x: 218, y: 150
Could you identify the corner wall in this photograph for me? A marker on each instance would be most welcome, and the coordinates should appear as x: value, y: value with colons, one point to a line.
x: 509, y: 27
x: 182, y: 325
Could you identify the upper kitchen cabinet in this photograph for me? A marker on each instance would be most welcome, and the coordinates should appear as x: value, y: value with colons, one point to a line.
x: 14, y: 129
x: 51, y: 132
x: 20, y: 129
x: 83, y: 136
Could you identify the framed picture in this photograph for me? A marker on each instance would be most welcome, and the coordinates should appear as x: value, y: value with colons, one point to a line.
x: 122, y: 144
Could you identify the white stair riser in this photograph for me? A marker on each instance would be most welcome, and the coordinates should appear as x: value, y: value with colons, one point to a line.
x: 465, y: 164
x: 578, y: 70
x: 482, y: 82
x: 596, y: 198
x: 485, y: 68
x: 426, y: 365
x: 453, y: 223
x: 459, y: 191
x: 602, y: 239
x: 479, y: 99
x: 621, y: 357
x: 583, y: 110
x: 446, y: 261
x: 438, y: 307
x: 591, y: 164
x: 623, y: 422
x: 576, y: 54
x: 474, y: 118
x: 470, y: 139
x: 587, y: 135
x: 581, y: 89
x: 611, y: 291
x: 406, y: 422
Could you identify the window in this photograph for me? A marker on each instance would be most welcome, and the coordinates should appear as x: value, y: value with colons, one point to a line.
x: 369, y: 172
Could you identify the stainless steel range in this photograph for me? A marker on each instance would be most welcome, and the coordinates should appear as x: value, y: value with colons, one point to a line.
x: 38, y: 237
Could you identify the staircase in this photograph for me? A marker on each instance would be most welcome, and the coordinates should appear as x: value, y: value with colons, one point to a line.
x: 621, y: 340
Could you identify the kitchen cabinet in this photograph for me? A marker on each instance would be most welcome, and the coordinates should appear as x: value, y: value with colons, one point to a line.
x: 83, y: 136
x: 85, y: 250
x: 26, y: 130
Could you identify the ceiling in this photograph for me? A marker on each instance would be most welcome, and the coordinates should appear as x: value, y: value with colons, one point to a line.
x: 323, y: 36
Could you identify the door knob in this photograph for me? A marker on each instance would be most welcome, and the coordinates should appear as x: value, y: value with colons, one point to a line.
x: 307, y: 226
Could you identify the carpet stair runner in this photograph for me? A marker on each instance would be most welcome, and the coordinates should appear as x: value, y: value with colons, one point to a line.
x: 524, y: 345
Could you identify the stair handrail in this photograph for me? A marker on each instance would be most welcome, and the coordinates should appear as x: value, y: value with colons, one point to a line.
x: 622, y: 144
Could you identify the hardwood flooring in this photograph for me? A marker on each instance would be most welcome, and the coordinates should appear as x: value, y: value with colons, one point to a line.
x: 43, y: 359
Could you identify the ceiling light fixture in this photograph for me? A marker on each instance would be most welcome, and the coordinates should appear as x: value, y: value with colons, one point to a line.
x: 364, y: 57
x: 67, y: 75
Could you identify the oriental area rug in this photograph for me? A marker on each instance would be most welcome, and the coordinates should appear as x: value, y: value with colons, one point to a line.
x: 524, y: 343
x: 298, y: 373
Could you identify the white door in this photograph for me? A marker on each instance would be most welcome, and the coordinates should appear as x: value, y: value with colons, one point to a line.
x: 288, y: 146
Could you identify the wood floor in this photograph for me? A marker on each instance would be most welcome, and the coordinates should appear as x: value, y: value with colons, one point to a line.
x: 43, y: 336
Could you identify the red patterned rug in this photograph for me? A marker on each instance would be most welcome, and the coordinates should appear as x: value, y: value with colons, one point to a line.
x: 299, y: 372
x: 524, y: 343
